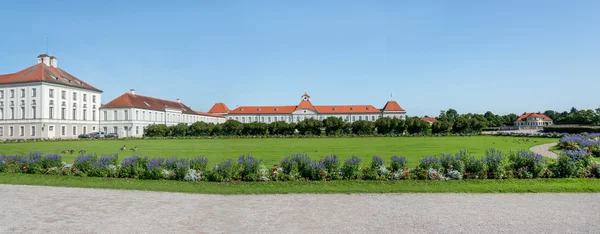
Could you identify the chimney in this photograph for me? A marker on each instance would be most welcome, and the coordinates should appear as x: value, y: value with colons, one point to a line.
x: 44, y: 58
x: 178, y: 101
x: 132, y: 91
x: 53, y: 61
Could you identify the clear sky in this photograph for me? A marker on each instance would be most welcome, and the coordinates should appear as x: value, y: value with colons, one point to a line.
x: 473, y: 56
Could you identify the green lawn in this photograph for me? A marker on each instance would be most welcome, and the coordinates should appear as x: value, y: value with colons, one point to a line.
x: 272, y: 150
x: 405, y: 186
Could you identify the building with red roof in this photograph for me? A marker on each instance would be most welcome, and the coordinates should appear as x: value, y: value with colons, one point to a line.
x: 305, y: 109
x: 428, y: 119
x: 45, y: 101
x: 533, y: 119
x: 129, y: 114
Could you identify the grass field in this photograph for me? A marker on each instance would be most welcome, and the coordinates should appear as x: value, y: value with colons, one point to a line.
x: 402, y: 186
x: 272, y: 150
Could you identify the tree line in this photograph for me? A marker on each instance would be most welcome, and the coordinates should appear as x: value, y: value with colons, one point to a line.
x: 449, y: 121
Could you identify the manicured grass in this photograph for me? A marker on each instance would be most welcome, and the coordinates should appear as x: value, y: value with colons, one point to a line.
x: 409, y: 186
x: 272, y: 150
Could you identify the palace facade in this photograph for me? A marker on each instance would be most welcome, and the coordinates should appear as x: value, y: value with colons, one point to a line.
x: 44, y: 101
x: 305, y: 110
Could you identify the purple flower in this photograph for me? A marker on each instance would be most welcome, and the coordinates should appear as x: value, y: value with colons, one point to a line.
x: 155, y: 163
x: 129, y: 161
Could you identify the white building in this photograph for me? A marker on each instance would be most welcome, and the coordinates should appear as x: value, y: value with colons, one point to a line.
x: 44, y: 101
x: 305, y: 109
x: 129, y: 114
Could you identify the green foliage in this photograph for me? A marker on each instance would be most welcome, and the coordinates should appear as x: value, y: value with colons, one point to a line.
x: 362, y: 127
x: 255, y: 129
x: 178, y: 130
x: 156, y: 130
x: 334, y: 126
x: 441, y: 127
x: 281, y: 128
x: 309, y: 126
x: 415, y: 125
x: 201, y: 129
x: 232, y: 127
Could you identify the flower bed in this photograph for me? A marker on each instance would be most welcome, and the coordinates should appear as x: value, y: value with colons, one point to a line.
x: 588, y: 142
x: 462, y: 165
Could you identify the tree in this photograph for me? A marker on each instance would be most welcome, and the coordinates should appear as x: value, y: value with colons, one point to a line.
x: 384, y: 125
x: 362, y: 127
x: 309, y: 127
x: 200, y: 129
x: 156, y: 130
x: 399, y: 125
x: 334, y: 125
x: 462, y: 125
x: 254, y: 129
x: 281, y: 128
x: 441, y: 127
x: 178, y: 130
x: 510, y: 119
x: 415, y: 125
x: 449, y: 116
x: 232, y: 127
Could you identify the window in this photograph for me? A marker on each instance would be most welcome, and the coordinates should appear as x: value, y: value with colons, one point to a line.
x: 275, y: 118
x: 105, y: 116
x: 93, y: 98
x: 126, y: 114
x: 51, y: 112
x: 22, y: 112
x: 84, y: 114
x: 137, y: 115
x: 105, y: 129
x: 262, y: 119
x: 1, y: 131
x: 74, y: 130
x: 1, y: 113
x: 359, y: 117
x: 85, y: 97
x: 33, y: 114
x: 12, y: 93
x: 115, y: 115
x: 63, y: 130
x: 84, y: 130
x: 243, y: 119
x: 22, y: 93
x: 63, y: 95
x: 353, y: 118
x: 22, y: 131
x: 32, y: 130
x: 114, y: 129
x: 255, y: 119
x: 269, y: 119
x: 137, y: 130
x: 33, y: 95
x: 11, y: 131
x: 62, y: 112
x: 12, y: 113
x: 1, y: 93
x: 74, y: 96
x: 51, y: 93
x: 94, y: 115
x: 373, y: 118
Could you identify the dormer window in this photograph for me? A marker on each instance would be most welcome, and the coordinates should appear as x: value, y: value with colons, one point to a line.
x: 334, y: 108
x: 258, y: 109
x: 242, y: 109
x: 367, y: 108
x: 275, y: 109
x: 351, y: 108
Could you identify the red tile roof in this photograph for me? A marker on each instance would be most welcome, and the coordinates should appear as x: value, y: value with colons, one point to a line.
x: 263, y: 110
x: 429, y: 119
x: 42, y: 73
x: 392, y: 106
x: 347, y: 109
x: 526, y: 115
x: 209, y: 114
x: 219, y: 108
x: 144, y: 102
x: 306, y: 105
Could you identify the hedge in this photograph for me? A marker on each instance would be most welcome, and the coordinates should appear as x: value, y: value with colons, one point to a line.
x: 578, y: 129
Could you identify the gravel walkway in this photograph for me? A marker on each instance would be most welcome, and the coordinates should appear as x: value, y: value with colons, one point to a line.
x: 37, y: 209
x: 544, y: 150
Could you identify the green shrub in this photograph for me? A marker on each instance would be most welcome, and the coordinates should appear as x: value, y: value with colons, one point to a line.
x: 579, y: 129
x: 351, y: 168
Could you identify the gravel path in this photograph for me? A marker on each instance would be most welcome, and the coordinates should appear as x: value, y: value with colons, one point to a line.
x: 37, y: 209
x: 544, y: 150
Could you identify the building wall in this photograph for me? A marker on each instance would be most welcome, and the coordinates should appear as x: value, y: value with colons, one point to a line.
x: 299, y: 115
x: 27, y: 109
x: 131, y: 122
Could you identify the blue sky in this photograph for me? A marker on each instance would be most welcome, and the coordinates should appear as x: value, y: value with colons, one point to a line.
x: 473, y: 56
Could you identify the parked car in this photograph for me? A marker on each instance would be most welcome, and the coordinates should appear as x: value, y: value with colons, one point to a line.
x: 111, y: 135
x: 96, y: 135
